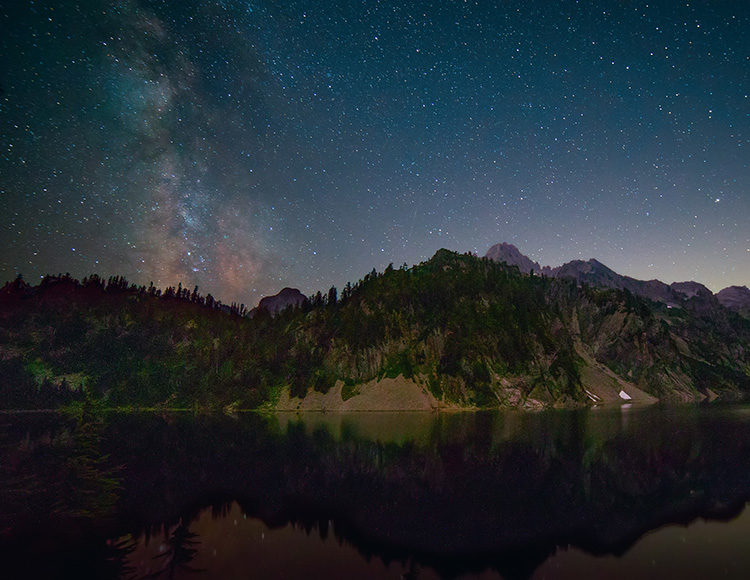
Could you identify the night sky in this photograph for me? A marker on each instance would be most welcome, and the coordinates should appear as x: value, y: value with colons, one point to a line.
x: 244, y: 146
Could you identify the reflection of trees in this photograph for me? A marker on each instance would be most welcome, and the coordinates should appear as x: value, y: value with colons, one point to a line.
x: 476, y: 490
x: 181, y: 550
x: 115, y: 556
x: 58, y: 551
x: 63, y: 488
x: 90, y: 482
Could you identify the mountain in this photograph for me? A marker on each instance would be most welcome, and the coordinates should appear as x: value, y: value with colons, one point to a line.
x: 594, y: 273
x: 455, y: 331
x: 735, y: 298
x: 690, y: 289
x: 278, y: 302
x: 509, y: 254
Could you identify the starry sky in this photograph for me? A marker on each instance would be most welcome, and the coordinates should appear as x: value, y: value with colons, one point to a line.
x: 244, y: 146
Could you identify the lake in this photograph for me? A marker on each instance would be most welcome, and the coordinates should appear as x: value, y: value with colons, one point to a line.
x: 615, y: 492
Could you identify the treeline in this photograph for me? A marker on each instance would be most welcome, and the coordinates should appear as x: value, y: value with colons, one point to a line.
x: 19, y: 289
x: 121, y: 344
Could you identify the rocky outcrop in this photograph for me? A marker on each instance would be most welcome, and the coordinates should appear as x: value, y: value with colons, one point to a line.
x: 278, y: 302
x: 509, y: 254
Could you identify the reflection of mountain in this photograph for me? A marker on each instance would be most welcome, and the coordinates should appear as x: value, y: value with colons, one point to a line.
x: 482, y: 489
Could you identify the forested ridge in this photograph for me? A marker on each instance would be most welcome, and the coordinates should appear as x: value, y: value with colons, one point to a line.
x: 471, y: 331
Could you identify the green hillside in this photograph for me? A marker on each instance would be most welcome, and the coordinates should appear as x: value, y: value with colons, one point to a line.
x: 471, y: 332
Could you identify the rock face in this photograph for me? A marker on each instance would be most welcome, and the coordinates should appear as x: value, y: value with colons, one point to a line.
x: 509, y: 254
x: 735, y: 298
x: 278, y: 302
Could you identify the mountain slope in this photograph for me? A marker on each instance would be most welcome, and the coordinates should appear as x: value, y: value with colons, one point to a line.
x: 735, y: 298
x: 461, y: 330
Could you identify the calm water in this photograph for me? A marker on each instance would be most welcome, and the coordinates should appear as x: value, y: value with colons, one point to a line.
x: 631, y: 492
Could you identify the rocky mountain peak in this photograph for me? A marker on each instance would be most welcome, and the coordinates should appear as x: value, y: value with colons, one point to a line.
x: 510, y: 254
x: 278, y: 302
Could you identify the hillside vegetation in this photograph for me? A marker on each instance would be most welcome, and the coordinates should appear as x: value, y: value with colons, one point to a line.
x: 472, y: 332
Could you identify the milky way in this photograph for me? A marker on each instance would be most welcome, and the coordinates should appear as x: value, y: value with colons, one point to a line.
x: 245, y: 146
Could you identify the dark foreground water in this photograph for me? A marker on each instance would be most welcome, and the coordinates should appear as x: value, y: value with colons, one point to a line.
x: 631, y: 492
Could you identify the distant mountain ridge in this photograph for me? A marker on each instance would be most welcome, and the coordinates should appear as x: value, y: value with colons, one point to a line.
x: 690, y: 289
x: 594, y: 273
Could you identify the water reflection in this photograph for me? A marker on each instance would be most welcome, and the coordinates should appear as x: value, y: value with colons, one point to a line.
x: 235, y: 545
x: 379, y: 494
